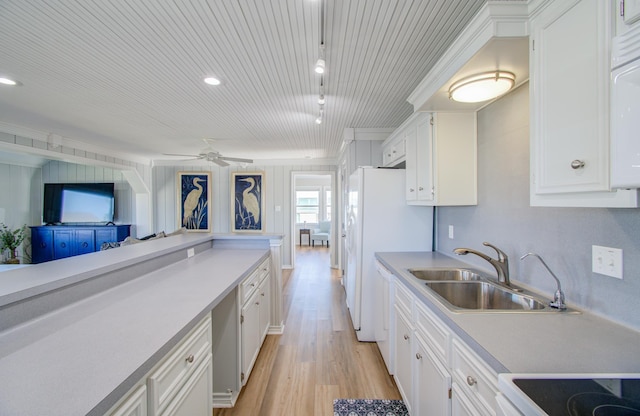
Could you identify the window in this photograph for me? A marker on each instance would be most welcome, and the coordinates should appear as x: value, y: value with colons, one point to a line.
x: 313, y: 204
x: 307, y: 206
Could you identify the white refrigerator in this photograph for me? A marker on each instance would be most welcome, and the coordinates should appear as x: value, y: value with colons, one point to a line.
x: 378, y: 219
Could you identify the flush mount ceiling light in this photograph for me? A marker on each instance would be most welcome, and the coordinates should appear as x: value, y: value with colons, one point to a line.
x: 482, y: 87
x: 212, y: 81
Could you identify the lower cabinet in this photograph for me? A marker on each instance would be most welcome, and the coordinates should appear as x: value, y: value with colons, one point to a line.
x: 55, y: 242
x: 135, y: 404
x: 181, y: 385
x: 436, y: 372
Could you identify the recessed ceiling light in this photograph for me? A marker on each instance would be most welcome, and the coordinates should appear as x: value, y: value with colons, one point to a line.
x: 7, y: 81
x: 212, y: 81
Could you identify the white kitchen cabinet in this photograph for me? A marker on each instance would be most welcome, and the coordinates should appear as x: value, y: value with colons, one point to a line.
x: 135, y: 404
x: 403, y: 374
x: 254, y: 317
x: 175, y: 384
x: 432, y: 382
x: 435, y: 371
x: 569, y: 106
x: 628, y: 15
x: 441, y: 159
x: 393, y: 150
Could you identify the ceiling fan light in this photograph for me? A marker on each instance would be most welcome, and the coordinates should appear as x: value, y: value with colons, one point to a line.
x: 482, y: 87
x: 212, y: 81
x: 320, y: 66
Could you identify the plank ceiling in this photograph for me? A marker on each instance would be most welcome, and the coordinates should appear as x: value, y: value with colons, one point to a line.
x: 127, y: 74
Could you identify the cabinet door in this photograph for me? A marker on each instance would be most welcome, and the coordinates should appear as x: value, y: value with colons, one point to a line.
x: 424, y: 159
x: 62, y: 240
x: 194, y: 399
x: 432, y: 383
x: 265, y: 307
x: 105, y: 235
x: 250, y: 322
x: 84, y: 242
x: 403, y: 358
x: 461, y: 405
x: 134, y: 405
x: 570, y: 105
x: 411, y: 163
x: 42, y: 245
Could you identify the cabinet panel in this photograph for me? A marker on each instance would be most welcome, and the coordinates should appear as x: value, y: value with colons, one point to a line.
x: 62, y: 240
x: 41, y: 245
x: 134, y: 405
x: 265, y: 307
x: 432, y: 382
x: 194, y: 399
x: 83, y: 242
x: 403, y: 362
x: 477, y: 380
x: 250, y: 334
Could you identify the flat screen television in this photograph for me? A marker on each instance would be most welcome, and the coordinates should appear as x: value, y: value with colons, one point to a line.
x: 78, y: 203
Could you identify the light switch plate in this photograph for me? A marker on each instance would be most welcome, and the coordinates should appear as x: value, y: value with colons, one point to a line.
x: 190, y: 252
x: 607, y: 261
x: 451, y: 232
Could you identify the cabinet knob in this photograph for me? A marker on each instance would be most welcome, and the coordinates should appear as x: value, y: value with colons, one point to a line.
x: 189, y: 359
x: 258, y: 303
x: 253, y: 285
x: 471, y: 381
x: 85, y: 244
x: 262, y: 294
x: 418, y: 356
x: 406, y: 337
x: 577, y: 164
x: 421, y: 189
x: 411, y: 190
x: 63, y: 245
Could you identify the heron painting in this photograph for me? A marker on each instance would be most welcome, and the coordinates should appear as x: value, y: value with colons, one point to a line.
x: 248, y: 202
x: 194, y: 191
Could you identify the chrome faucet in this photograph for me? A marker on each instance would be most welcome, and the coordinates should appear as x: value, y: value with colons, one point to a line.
x: 501, y: 264
x: 558, y: 297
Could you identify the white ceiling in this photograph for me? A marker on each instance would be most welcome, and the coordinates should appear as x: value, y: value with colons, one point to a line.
x: 127, y: 74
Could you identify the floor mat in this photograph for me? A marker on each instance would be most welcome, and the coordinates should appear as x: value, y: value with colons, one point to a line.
x: 369, y: 407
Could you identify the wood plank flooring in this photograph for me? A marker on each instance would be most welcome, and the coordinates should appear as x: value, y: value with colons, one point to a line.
x: 318, y: 357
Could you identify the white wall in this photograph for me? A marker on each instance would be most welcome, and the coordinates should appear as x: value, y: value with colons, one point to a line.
x: 277, y: 193
x: 562, y: 236
x: 19, y: 192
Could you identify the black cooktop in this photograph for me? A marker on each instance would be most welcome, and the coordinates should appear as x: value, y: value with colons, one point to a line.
x: 588, y: 397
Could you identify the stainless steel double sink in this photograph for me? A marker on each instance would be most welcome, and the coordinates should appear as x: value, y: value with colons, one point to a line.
x: 466, y: 290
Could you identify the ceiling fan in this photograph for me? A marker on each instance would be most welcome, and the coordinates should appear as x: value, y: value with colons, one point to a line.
x: 211, y: 155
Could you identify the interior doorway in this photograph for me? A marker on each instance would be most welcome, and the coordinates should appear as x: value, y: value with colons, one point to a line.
x: 314, y: 213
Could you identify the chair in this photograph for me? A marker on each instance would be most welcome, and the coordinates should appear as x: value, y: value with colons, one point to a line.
x: 321, y: 233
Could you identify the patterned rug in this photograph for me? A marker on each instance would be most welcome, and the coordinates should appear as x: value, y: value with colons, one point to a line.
x: 369, y: 407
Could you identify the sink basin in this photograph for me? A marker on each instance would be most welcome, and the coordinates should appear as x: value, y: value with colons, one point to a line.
x: 484, y: 296
x: 445, y: 274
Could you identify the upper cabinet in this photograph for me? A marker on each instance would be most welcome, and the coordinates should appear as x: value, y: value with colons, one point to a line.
x: 569, y: 92
x: 441, y: 159
x: 628, y: 15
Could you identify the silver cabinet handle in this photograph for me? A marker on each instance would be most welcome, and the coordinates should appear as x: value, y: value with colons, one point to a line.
x: 189, y: 359
x: 471, y: 381
x: 418, y: 356
x: 577, y: 164
x: 406, y: 337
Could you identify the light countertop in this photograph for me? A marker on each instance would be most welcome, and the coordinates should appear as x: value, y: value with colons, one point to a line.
x: 527, y: 342
x: 82, y: 358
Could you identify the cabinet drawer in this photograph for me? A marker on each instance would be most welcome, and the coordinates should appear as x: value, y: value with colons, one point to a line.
x: 478, y: 381
x: 177, y: 367
x: 433, y: 331
x: 403, y: 299
x: 250, y: 284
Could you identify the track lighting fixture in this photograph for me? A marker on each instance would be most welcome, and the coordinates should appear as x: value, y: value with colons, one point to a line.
x: 321, y: 100
x: 320, y: 66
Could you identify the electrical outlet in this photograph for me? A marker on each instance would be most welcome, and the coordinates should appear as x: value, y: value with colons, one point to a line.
x: 191, y: 252
x: 451, y: 232
x: 607, y: 261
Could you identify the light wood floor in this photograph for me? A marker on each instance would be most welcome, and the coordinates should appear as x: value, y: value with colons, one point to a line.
x: 318, y: 358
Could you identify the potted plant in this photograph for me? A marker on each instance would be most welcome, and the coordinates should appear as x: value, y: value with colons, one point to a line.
x: 11, y: 240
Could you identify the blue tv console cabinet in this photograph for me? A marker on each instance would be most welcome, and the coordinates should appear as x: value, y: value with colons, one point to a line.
x: 52, y: 242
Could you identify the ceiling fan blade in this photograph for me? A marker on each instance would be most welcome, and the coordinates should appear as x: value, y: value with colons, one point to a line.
x: 220, y: 162
x: 178, y: 154
x: 236, y: 159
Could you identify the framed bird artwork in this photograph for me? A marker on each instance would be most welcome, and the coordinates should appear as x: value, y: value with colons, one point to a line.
x: 247, y: 202
x: 194, y: 201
